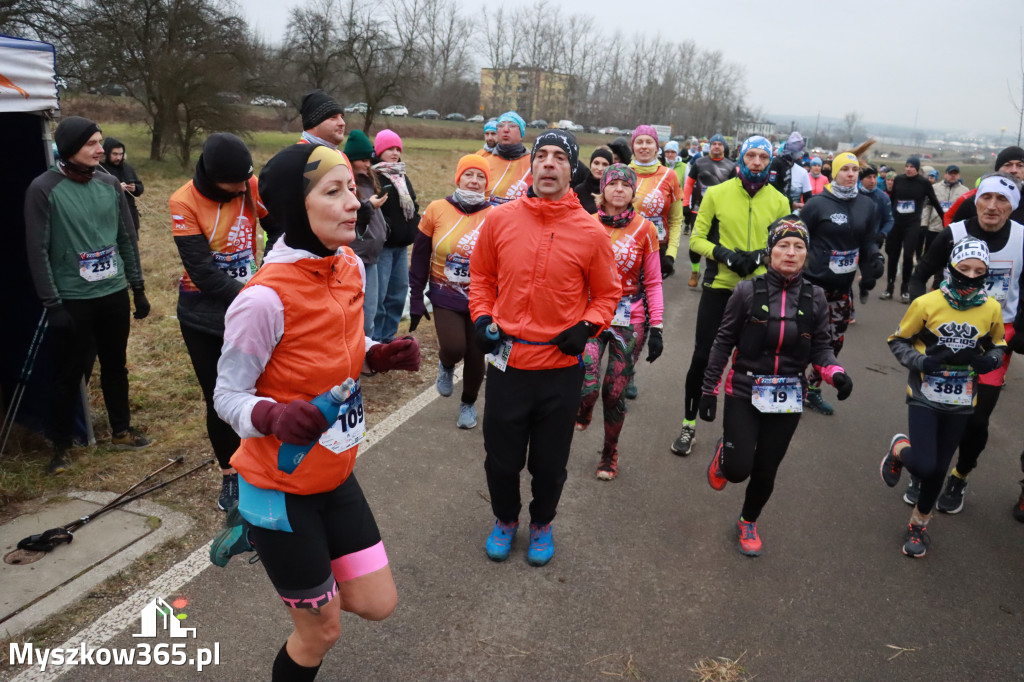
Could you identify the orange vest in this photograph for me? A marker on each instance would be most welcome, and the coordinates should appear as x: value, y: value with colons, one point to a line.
x: 323, y: 344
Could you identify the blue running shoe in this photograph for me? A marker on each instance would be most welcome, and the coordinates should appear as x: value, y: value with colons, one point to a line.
x: 233, y: 538
x: 445, y: 377
x: 499, y: 542
x: 467, y: 416
x: 542, y: 545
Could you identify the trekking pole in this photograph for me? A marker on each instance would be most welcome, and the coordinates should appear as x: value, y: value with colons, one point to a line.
x: 47, y: 540
x: 114, y: 502
x: 22, y: 386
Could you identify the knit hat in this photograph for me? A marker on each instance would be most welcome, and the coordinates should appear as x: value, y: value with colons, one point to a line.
x: 513, y: 117
x: 915, y: 162
x: 472, y: 161
x: 224, y: 158
x: 816, y: 161
x: 620, y: 146
x: 890, y: 175
x: 790, y: 226
x: 386, y: 139
x: 284, y: 183
x: 559, y: 138
x: 619, y: 171
x: 604, y: 153
x: 1000, y: 183
x: 969, y: 247
x: 72, y: 134
x: 795, y: 145
x: 867, y: 171
x: 491, y: 126
x: 755, y: 142
x: 672, y: 146
x: 1008, y: 154
x: 843, y: 159
x: 644, y: 130
x: 930, y: 171
x: 317, y: 107
x: 718, y: 137
x: 358, y: 147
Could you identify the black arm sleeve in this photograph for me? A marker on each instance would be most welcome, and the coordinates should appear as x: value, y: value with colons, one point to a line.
x: 931, y: 263
x: 194, y: 250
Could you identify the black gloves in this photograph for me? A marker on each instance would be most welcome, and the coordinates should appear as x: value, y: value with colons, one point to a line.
x: 414, y: 320
x: 574, y: 339
x: 655, y: 345
x: 142, y: 306
x: 877, y: 268
x: 843, y: 384
x: 986, y: 362
x: 668, y: 266
x: 708, y: 407
x: 726, y: 257
x: 1016, y: 344
x: 743, y: 263
x: 934, y: 359
x: 59, y: 320
x: 486, y: 339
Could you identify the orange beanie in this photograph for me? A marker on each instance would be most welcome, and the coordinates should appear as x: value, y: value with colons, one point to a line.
x: 472, y: 161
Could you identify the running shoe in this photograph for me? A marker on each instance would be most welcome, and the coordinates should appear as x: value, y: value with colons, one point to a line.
x: 892, y: 467
x: 951, y: 501
x: 580, y: 426
x: 228, y: 492
x: 683, y: 445
x: 904, y: 298
x: 542, y: 545
x: 863, y: 296
x: 750, y: 541
x: 609, y: 466
x: 131, y: 439
x: 886, y: 296
x: 694, y: 279
x: 913, y: 493
x: 445, y: 376
x: 233, y: 539
x: 631, y: 392
x: 917, y: 541
x: 715, y: 478
x: 60, y: 461
x: 817, y: 402
x: 499, y: 542
x: 1018, y: 509
x: 467, y: 416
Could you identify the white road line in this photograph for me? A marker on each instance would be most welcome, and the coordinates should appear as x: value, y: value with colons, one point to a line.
x: 114, y: 621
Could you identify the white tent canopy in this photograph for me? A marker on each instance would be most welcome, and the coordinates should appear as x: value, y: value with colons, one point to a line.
x: 27, y: 76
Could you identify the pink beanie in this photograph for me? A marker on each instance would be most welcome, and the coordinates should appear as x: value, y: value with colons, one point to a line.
x: 386, y: 139
x: 644, y: 130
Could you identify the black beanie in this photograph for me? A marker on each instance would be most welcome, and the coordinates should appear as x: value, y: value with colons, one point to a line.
x: 1009, y: 154
x: 867, y: 171
x: 620, y: 146
x: 72, y: 134
x: 225, y: 158
x: 283, y: 188
x: 915, y: 162
x: 604, y: 154
x: 317, y: 107
x: 562, y: 139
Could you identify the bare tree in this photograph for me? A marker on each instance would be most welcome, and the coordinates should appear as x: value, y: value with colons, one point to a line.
x: 445, y: 54
x: 503, y: 40
x: 851, y: 120
x: 313, y: 44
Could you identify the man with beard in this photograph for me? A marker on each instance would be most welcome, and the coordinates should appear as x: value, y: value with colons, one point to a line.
x: 115, y: 164
x: 707, y: 171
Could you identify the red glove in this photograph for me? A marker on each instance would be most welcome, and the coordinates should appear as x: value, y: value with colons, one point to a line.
x: 298, y: 422
x: 402, y: 353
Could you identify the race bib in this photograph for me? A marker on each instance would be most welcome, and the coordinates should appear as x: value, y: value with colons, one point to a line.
x: 844, y: 262
x: 659, y: 225
x: 997, y: 283
x: 905, y: 206
x: 456, y: 268
x: 499, y: 358
x: 240, y: 266
x: 96, y: 266
x: 623, y: 311
x: 945, y: 205
x: 775, y: 394
x: 350, y: 427
x: 949, y: 387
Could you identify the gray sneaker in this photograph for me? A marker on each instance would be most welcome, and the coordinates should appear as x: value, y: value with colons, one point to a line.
x: 683, y: 445
x: 467, y: 416
x: 913, y: 493
x: 951, y: 501
x: 445, y: 377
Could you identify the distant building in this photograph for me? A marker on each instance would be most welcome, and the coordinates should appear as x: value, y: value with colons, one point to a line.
x: 745, y: 129
x: 533, y: 93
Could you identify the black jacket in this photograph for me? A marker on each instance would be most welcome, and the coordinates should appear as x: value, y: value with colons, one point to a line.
x: 840, y: 225
x: 586, y: 191
x: 124, y: 173
x: 915, y: 189
x: 401, y: 232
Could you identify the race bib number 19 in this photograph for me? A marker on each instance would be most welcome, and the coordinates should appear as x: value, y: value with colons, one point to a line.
x: 775, y: 394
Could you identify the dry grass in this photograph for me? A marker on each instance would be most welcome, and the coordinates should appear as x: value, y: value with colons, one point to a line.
x: 721, y: 669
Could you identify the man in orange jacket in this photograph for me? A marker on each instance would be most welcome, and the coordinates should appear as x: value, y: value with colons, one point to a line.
x: 542, y: 282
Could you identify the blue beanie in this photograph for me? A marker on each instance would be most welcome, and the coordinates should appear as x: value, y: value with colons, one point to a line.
x: 718, y: 137
x: 816, y: 161
x: 755, y: 142
x: 513, y: 117
x: 491, y: 126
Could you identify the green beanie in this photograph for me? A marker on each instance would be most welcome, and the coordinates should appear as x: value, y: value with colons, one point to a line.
x: 358, y: 146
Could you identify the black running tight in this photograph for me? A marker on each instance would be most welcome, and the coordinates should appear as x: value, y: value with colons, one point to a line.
x: 934, y: 437
x: 709, y: 316
x: 975, y: 436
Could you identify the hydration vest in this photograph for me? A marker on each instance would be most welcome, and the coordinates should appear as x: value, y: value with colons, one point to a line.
x: 754, y: 342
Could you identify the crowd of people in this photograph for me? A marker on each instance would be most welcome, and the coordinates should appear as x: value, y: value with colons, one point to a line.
x: 533, y: 270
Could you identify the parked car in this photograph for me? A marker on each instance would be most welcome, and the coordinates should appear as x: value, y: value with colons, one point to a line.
x: 475, y: 119
x: 566, y: 124
x: 357, y: 108
x: 427, y: 113
x: 537, y: 123
x: 454, y: 116
x: 590, y: 129
x: 395, y: 110
x: 268, y: 101
x: 609, y: 130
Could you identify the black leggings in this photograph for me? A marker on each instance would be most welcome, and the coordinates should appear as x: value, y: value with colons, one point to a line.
x: 975, y: 436
x: 456, y: 341
x: 904, y: 236
x: 531, y: 410
x: 709, y: 316
x: 204, y: 350
x: 101, y: 330
x: 754, y: 445
x: 933, y: 437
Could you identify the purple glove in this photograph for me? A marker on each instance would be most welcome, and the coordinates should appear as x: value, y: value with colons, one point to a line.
x: 297, y: 422
x: 402, y: 353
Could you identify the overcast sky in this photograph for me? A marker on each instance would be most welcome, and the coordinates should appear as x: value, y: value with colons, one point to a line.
x: 947, y: 62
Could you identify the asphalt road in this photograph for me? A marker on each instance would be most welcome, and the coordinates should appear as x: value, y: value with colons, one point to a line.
x: 646, y: 567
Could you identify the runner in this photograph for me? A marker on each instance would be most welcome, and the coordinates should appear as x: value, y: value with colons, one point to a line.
x: 674, y: 161
x: 490, y: 139
x: 787, y: 175
x: 509, y: 165
x: 1009, y: 160
x: 818, y: 178
x: 440, y: 256
x: 213, y: 221
x: 589, y: 188
x: 372, y: 229
x: 778, y: 324
x: 658, y: 195
x: 542, y: 282
x: 635, y: 245
x: 841, y: 225
x: 731, y: 232
x: 945, y: 339
x: 706, y: 171
x: 293, y: 333
x: 998, y: 196
x: 909, y: 192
